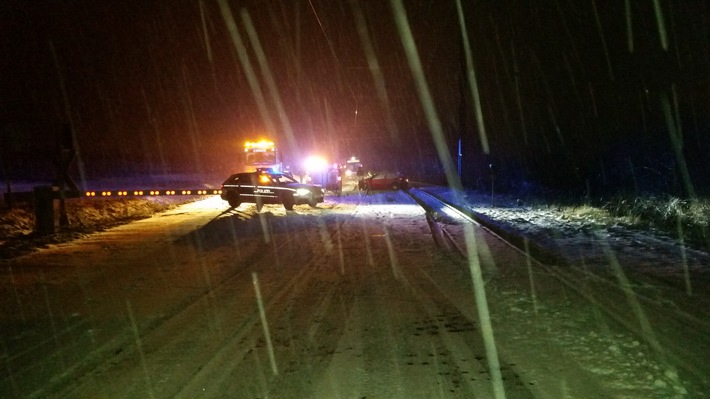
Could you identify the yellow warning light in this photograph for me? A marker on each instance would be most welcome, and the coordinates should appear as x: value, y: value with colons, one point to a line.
x: 259, y: 145
x: 263, y: 179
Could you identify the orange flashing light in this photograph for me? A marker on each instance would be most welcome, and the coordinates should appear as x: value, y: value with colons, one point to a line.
x: 260, y: 145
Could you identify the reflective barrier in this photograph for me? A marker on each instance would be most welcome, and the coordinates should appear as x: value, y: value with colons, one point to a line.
x: 42, y: 197
x: 139, y: 193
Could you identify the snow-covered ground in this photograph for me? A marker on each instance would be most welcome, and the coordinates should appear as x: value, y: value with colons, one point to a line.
x: 663, y: 264
x: 665, y: 283
x: 360, y: 302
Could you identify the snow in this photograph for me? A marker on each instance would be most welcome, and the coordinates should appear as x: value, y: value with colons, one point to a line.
x: 360, y: 302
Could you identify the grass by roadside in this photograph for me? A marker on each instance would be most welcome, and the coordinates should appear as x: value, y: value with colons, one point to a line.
x: 687, y: 220
x: 85, y: 216
x: 684, y: 219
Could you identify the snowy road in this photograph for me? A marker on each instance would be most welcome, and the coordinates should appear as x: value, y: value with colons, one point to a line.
x: 359, y: 300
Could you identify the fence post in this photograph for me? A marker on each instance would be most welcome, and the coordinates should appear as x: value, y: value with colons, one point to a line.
x: 44, y: 210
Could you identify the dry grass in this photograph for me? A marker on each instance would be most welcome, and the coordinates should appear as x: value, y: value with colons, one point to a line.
x: 16, y: 222
x: 91, y: 214
x: 84, y: 215
x: 685, y: 219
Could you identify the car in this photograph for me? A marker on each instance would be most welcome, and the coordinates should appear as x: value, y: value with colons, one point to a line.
x: 268, y: 187
x: 385, y: 181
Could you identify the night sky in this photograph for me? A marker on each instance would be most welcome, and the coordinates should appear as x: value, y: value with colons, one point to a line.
x: 572, y: 93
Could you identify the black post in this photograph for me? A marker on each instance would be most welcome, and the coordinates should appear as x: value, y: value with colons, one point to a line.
x: 64, y: 158
x: 6, y: 176
x: 44, y: 210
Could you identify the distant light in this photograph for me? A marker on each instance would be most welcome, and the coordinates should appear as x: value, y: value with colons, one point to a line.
x: 315, y: 164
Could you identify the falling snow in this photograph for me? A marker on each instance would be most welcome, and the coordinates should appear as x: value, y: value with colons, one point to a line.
x: 367, y: 295
x: 359, y: 301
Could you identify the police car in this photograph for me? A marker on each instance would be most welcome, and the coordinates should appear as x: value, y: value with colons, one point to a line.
x: 268, y: 187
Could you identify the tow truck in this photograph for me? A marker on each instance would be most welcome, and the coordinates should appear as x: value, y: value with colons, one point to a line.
x: 261, y: 154
x: 351, y: 167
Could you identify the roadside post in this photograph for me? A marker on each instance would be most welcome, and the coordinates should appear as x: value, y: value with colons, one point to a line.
x: 63, y: 160
x: 44, y: 210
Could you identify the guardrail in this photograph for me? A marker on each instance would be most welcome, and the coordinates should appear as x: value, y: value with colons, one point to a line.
x: 43, y: 197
